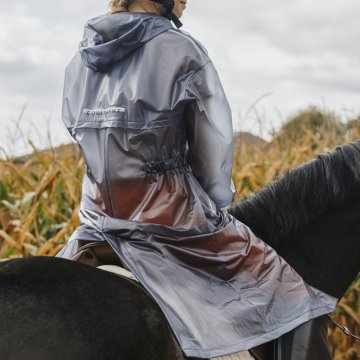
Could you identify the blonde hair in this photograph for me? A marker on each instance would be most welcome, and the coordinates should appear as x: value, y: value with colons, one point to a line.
x: 116, y: 6
x: 119, y: 6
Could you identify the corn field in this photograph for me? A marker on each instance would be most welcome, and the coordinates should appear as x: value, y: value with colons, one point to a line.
x: 40, y: 195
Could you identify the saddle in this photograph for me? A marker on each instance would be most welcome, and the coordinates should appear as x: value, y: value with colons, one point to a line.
x: 306, y: 342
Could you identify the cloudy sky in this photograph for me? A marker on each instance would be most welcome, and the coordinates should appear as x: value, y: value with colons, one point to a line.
x: 279, y: 55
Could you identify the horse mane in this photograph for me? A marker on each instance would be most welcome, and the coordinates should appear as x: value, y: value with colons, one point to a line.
x: 302, y: 194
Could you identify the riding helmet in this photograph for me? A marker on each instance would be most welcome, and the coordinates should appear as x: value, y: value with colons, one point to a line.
x: 169, y: 6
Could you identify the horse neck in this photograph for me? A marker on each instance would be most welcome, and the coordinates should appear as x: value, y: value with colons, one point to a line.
x: 326, y: 252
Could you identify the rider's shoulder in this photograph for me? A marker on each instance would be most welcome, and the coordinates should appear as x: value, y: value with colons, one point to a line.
x: 189, y: 39
x: 184, y: 44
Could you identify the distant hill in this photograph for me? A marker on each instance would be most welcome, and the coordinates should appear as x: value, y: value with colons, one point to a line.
x: 56, y: 152
x: 248, y: 139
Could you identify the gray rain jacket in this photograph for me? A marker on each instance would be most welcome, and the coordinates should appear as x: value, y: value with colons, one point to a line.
x: 146, y: 106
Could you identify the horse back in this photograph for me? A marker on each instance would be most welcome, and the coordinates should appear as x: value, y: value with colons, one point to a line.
x: 54, y: 308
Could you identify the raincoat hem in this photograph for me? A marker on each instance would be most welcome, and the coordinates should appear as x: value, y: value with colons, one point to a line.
x: 247, y: 344
x: 243, y: 345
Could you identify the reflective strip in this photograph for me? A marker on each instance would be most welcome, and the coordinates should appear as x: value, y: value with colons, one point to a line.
x: 110, y: 110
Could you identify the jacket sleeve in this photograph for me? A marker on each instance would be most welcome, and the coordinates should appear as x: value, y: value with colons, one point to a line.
x: 73, y: 93
x: 209, y: 133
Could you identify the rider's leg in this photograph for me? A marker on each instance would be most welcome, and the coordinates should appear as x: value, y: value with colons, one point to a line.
x: 309, y: 341
x: 96, y: 254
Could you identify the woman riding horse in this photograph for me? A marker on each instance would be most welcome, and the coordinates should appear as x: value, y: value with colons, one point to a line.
x: 146, y: 106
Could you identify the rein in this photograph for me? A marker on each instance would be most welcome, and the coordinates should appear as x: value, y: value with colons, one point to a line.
x: 344, y: 329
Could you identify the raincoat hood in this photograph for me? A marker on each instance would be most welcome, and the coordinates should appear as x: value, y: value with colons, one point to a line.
x: 110, y: 38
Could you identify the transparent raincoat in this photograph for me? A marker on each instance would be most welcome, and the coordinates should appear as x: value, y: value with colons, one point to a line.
x: 146, y: 106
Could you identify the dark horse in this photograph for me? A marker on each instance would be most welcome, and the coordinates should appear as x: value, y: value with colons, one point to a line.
x: 53, y: 309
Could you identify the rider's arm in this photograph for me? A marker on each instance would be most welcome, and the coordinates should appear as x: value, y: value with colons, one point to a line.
x: 209, y: 133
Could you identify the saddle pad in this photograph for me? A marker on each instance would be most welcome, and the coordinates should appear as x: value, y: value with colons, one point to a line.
x: 243, y: 355
x: 117, y: 270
